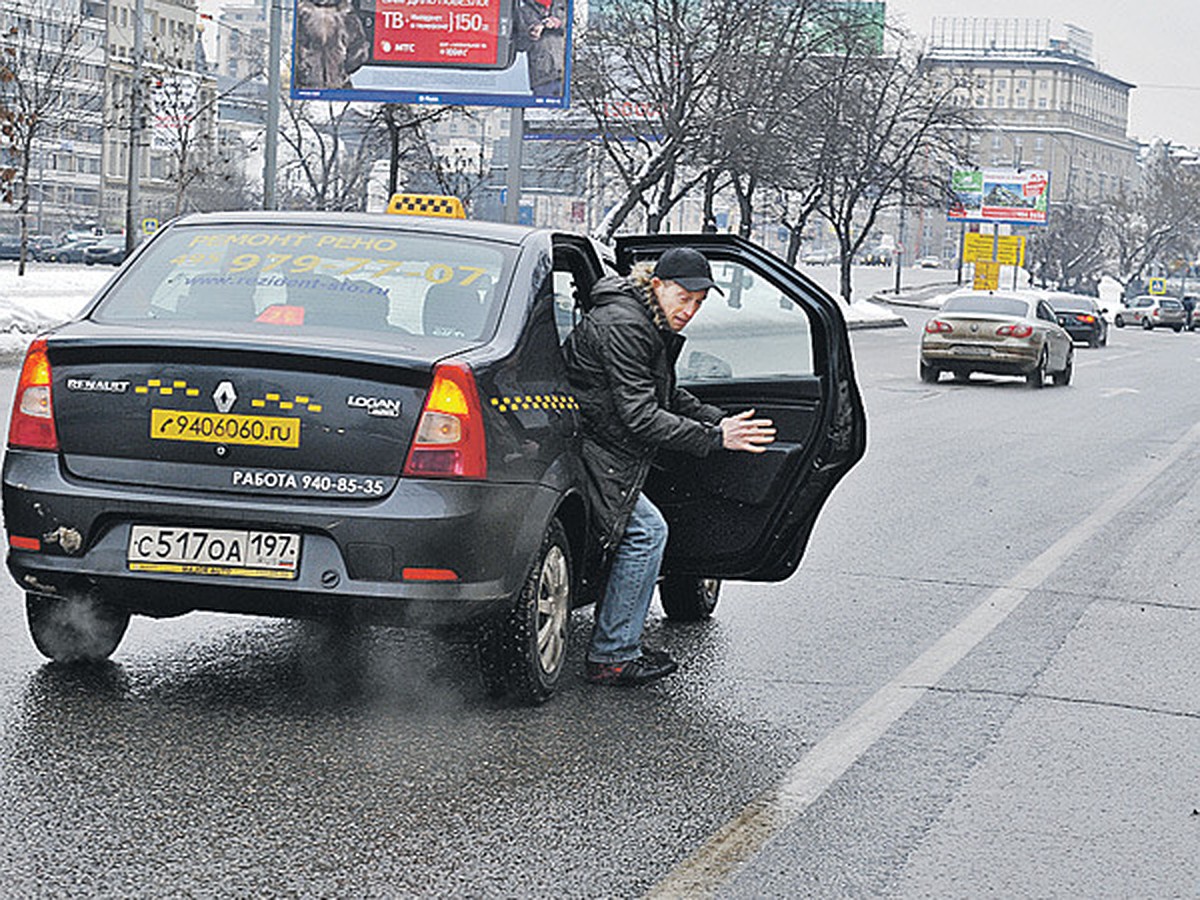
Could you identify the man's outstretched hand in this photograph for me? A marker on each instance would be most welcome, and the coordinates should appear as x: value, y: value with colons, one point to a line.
x: 741, y: 432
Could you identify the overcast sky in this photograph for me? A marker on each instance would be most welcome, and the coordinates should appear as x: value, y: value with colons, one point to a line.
x: 1155, y: 44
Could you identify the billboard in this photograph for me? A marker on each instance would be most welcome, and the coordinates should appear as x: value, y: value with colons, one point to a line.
x: 1012, y: 196
x: 468, y: 52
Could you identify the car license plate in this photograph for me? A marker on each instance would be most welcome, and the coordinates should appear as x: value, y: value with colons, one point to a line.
x: 972, y: 350
x: 224, y: 428
x: 213, y: 551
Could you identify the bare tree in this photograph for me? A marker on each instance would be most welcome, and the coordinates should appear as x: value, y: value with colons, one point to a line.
x: 889, y: 135
x: 648, y: 71
x: 1157, y: 220
x: 333, y: 147
x: 1069, y: 253
x: 39, y: 47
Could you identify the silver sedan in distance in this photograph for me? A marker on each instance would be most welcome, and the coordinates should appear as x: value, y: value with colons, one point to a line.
x: 996, y: 333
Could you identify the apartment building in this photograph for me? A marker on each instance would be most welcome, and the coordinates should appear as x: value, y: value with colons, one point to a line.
x: 66, y: 157
x: 1043, y: 99
x: 177, y: 109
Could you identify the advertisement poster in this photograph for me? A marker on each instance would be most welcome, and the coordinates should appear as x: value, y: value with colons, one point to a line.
x: 468, y: 52
x: 1012, y: 196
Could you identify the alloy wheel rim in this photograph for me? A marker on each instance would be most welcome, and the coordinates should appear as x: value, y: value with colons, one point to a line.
x: 553, y: 600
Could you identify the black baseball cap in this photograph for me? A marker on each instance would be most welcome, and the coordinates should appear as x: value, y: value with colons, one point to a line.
x: 688, y: 268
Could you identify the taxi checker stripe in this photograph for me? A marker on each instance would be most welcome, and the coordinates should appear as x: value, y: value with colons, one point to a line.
x: 535, y: 401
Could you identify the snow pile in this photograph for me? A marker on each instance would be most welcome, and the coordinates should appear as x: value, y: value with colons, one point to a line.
x: 46, y: 295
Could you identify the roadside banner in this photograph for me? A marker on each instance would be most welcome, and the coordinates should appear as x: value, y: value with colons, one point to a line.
x: 463, y: 52
x: 1014, y: 196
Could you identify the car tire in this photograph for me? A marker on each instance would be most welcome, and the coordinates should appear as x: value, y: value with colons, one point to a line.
x: 522, y: 652
x: 1119, y: 321
x: 1037, y: 376
x: 929, y: 374
x: 1063, y: 378
x: 75, y: 627
x: 1177, y: 328
x: 1147, y: 324
x: 688, y: 598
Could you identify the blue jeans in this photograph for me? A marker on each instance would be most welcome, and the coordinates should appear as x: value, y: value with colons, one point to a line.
x: 617, y: 632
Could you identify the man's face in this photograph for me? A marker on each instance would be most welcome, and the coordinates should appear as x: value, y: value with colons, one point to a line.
x: 677, y: 303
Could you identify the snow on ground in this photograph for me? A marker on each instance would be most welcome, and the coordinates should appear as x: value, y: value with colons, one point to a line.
x: 47, y: 294
x: 50, y: 293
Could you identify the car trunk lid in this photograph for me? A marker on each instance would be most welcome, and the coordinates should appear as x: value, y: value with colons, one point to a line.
x: 213, y: 414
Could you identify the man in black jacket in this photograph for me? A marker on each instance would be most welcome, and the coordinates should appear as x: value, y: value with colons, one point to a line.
x: 621, y: 364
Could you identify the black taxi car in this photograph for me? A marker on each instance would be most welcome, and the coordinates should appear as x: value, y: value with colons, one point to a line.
x: 305, y: 414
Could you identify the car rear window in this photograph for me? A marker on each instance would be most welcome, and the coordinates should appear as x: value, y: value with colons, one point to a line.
x: 1002, y: 306
x: 1170, y: 304
x: 1072, y: 305
x: 247, y: 278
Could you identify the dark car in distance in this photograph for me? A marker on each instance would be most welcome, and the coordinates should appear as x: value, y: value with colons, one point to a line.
x: 368, y: 418
x: 1081, y: 317
x: 70, y: 251
x: 109, y: 250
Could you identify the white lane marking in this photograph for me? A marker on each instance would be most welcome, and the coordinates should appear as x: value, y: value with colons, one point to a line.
x: 1107, y: 393
x: 704, y: 872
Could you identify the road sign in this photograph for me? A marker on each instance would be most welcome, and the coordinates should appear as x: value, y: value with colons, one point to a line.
x: 1009, y: 250
x: 1158, y: 286
x: 987, y: 276
x: 149, y: 226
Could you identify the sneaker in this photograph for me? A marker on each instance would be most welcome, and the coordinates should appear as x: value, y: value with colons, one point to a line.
x: 633, y: 672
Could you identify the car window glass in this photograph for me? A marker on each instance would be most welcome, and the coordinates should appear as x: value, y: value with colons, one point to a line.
x: 1003, y: 306
x: 250, y: 278
x: 565, y: 294
x: 754, y: 331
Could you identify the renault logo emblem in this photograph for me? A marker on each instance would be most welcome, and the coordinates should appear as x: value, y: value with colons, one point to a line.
x: 224, y: 396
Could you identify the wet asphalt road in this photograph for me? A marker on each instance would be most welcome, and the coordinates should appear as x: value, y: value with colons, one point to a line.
x: 1056, y: 755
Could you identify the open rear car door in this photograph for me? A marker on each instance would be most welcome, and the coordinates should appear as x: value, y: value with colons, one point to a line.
x: 777, y: 343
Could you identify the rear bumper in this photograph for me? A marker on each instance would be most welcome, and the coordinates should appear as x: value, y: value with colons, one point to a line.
x: 998, y: 359
x: 352, y: 558
x: 1082, y: 333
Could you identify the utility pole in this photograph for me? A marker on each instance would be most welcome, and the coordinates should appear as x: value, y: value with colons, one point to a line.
x: 271, y: 145
x: 512, y: 183
x: 132, y: 198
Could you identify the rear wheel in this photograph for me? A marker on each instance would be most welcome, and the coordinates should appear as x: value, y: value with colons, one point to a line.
x: 1177, y: 328
x: 929, y: 374
x: 1147, y: 324
x: 689, y: 599
x: 1063, y: 378
x: 1037, y: 378
x: 75, y: 627
x: 523, y: 652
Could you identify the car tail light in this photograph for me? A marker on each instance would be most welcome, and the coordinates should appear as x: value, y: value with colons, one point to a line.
x: 937, y: 326
x: 450, y: 442
x: 32, y: 423
x: 1087, y: 320
x: 1017, y: 331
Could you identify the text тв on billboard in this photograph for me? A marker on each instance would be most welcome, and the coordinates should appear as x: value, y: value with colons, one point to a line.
x: 470, y: 52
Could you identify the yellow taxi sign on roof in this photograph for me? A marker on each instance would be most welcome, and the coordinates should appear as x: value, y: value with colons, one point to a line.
x: 426, y: 205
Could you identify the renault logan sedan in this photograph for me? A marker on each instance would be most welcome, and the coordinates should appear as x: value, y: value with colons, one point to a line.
x: 997, y: 333
x: 291, y: 414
